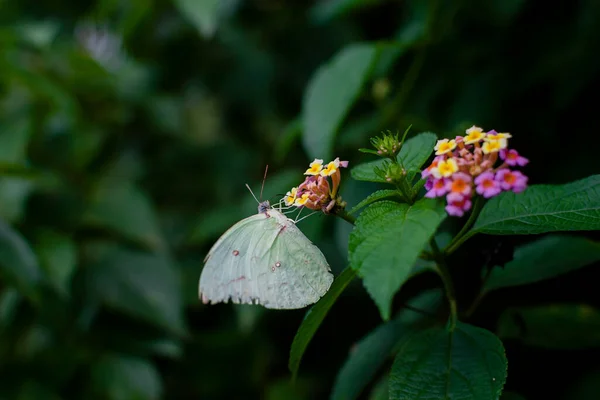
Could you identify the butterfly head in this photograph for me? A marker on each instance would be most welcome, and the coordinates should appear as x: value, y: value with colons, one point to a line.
x: 264, y: 206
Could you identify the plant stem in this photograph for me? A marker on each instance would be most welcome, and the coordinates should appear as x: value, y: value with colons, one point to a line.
x: 444, y: 274
x: 480, y: 296
x: 463, y: 234
x: 343, y: 214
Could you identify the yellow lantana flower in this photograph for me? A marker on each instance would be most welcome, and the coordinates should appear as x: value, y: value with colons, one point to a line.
x: 474, y: 134
x: 290, y: 197
x: 445, y: 168
x: 315, y: 167
x: 444, y: 146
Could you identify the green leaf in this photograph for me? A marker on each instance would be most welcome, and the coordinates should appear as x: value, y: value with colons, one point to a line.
x: 18, y: 264
x: 544, y: 258
x: 324, y: 11
x: 125, y: 378
x: 203, y: 14
x: 370, y: 353
x: 143, y: 285
x: 14, y: 140
x: 562, y: 326
x: 122, y: 207
x: 380, y: 390
x: 58, y: 257
x: 413, y: 155
x: 330, y: 94
x: 373, y: 197
x: 314, y: 317
x: 574, y: 206
x: 291, y: 133
x: 385, y: 244
x: 466, y: 363
x: 13, y: 196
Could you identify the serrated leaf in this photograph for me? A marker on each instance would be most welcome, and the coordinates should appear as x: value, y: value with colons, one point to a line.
x: 369, y: 354
x: 562, y: 326
x: 315, y: 316
x: 413, y: 155
x: 373, y: 197
x: 331, y: 92
x: 466, y: 363
x: 544, y: 258
x: 18, y: 264
x: 125, y: 378
x: 574, y: 206
x: 385, y: 244
x: 58, y: 257
x: 143, y: 285
x: 124, y: 208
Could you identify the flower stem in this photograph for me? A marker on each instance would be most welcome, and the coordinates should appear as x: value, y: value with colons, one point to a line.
x: 444, y: 274
x: 343, y: 214
x: 464, y: 234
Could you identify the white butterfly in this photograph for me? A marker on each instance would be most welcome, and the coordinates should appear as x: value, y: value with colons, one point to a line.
x: 265, y: 259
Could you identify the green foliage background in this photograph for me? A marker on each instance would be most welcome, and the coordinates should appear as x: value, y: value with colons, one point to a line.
x: 129, y: 128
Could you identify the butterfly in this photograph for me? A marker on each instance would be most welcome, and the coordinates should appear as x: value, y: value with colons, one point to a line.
x: 265, y: 259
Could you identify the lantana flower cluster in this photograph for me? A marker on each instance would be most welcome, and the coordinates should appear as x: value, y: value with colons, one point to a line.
x: 316, y: 192
x: 466, y: 165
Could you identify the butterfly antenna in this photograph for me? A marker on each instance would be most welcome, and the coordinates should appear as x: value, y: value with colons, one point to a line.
x: 263, y: 182
x: 252, y: 193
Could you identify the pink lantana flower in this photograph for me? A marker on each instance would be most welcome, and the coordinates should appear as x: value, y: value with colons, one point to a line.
x: 439, y: 187
x: 487, y: 185
x: 511, y: 157
x: 511, y: 180
x: 468, y: 165
x: 457, y: 204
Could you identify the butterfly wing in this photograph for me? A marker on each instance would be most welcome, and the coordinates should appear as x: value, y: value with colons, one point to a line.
x: 265, y: 259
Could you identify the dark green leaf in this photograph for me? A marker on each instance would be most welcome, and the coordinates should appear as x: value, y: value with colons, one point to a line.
x: 574, y: 206
x: 330, y: 94
x: 385, y: 244
x: 291, y: 133
x: 126, y: 378
x: 324, y: 11
x: 144, y: 285
x: 413, y: 155
x: 18, y: 264
x: 14, y: 139
x: 124, y: 208
x: 373, y: 197
x: 380, y: 390
x: 13, y: 196
x: 466, y: 363
x: 314, y: 317
x: 563, y: 326
x: 369, y: 354
x: 544, y: 258
x: 203, y: 14
x: 58, y: 257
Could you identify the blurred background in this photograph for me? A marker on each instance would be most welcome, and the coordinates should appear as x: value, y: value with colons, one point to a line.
x: 129, y: 128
